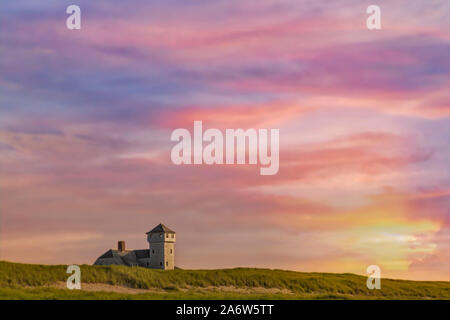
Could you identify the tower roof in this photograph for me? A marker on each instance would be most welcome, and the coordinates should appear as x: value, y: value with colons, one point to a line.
x: 160, y: 228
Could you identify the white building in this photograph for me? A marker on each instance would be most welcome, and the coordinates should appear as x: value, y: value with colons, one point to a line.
x: 160, y: 255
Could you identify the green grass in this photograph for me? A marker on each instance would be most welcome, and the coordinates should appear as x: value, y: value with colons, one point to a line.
x: 27, y: 281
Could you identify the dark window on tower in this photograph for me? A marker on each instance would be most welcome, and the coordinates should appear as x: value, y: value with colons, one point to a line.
x: 170, y: 250
x: 167, y: 263
x: 160, y: 263
x: 153, y: 251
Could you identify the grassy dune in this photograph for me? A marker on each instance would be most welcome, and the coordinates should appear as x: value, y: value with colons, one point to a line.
x: 26, y: 281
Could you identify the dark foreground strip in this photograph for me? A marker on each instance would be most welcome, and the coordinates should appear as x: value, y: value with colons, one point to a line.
x: 226, y: 309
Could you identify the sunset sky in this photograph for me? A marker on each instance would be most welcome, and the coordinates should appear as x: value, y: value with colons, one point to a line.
x: 364, y: 117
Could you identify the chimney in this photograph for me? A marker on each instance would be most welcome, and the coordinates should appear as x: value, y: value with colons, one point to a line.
x: 121, y: 245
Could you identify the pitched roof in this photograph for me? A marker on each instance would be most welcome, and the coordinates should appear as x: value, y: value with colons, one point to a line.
x: 107, y: 254
x: 142, y: 254
x: 127, y: 257
x: 161, y: 228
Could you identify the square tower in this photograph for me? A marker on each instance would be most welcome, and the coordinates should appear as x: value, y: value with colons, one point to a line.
x: 161, y: 242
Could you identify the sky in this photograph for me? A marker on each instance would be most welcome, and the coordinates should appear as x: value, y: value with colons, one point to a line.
x: 364, y: 118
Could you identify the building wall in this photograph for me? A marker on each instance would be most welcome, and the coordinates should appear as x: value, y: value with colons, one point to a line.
x: 131, y: 261
x: 162, y: 250
x: 157, y: 255
x: 144, y: 263
x: 106, y: 262
x: 169, y: 256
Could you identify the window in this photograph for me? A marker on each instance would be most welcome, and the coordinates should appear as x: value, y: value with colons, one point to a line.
x: 167, y: 263
x: 171, y: 251
x: 167, y: 235
x: 153, y: 251
x: 160, y: 263
x: 148, y: 264
x: 171, y: 235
